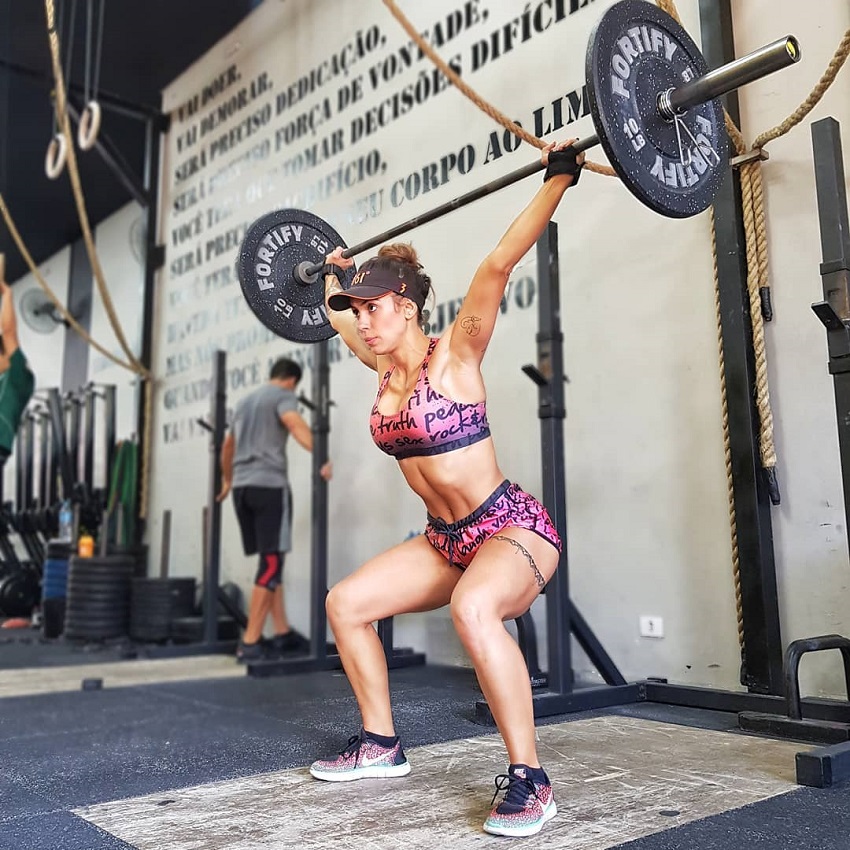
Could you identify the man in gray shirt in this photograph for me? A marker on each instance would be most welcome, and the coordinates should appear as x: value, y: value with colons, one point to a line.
x: 253, y: 465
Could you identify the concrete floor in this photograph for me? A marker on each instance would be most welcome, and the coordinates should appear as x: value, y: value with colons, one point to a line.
x: 116, y: 674
x: 616, y: 779
x: 191, y: 753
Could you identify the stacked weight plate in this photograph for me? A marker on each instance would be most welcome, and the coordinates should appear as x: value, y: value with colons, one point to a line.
x: 156, y: 603
x: 98, y: 602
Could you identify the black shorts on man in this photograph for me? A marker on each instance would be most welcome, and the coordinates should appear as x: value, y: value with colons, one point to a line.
x: 261, y: 493
x: 265, y: 522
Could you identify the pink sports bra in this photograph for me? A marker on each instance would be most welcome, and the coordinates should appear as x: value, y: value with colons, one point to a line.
x: 430, y: 423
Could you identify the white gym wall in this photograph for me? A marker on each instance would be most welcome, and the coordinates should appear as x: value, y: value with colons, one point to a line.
x: 646, y: 484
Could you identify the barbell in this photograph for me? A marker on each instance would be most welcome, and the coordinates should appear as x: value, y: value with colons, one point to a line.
x: 657, y: 115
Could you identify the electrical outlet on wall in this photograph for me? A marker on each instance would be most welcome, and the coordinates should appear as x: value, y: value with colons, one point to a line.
x: 651, y: 627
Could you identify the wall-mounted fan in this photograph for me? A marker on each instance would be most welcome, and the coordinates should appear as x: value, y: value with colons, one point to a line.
x: 138, y: 237
x: 38, y: 312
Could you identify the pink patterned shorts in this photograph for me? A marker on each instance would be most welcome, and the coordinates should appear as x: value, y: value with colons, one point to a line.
x: 508, y: 506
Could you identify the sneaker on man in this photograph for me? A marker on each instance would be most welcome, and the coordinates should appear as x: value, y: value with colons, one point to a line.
x: 288, y: 642
x: 247, y: 652
x: 528, y: 802
x: 362, y: 758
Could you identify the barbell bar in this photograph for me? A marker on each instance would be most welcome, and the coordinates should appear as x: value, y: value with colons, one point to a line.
x: 656, y: 113
x: 671, y: 103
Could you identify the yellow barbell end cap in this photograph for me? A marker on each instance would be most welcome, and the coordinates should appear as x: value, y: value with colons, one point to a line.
x: 793, y: 48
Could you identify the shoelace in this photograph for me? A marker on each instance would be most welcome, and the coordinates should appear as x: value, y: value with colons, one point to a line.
x: 518, y: 789
x: 455, y: 535
x: 352, y: 745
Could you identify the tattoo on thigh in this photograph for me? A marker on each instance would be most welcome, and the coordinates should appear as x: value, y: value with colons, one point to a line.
x: 523, y: 551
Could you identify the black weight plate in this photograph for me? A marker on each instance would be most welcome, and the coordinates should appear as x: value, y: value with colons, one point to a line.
x: 273, y: 248
x: 19, y: 594
x: 635, y: 53
x: 97, y: 592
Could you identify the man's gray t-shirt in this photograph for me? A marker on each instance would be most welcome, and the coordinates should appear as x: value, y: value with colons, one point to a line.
x: 260, y: 456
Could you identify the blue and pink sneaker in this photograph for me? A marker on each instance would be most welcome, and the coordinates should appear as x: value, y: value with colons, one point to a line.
x: 362, y: 758
x: 528, y: 802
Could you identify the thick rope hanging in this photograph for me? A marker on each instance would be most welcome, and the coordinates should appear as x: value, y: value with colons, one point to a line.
x: 135, y: 364
x: 758, y: 276
x: 482, y: 104
x: 669, y: 7
x: 754, y: 171
x: 828, y: 78
x: 73, y: 171
x: 755, y: 230
x: 60, y: 307
x: 727, y: 445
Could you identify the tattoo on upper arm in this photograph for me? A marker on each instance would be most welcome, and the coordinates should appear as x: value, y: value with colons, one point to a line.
x: 472, y: 325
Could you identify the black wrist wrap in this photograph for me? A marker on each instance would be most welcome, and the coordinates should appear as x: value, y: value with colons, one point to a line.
x: 563, y: 162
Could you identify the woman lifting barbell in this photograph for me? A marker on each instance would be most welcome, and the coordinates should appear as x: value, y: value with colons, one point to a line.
x: 488, y: 548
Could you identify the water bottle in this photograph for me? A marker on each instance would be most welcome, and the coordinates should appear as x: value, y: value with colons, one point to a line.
x: 66, y: 521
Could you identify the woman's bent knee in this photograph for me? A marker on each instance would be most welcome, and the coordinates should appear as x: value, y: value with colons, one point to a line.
x: 470, y: 611
x: 336, y: 605
x: 343, y: 605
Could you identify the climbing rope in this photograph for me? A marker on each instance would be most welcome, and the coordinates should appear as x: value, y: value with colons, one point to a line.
x: 669, y: 7
x: 482, y: 104
x: 727, y: 445
x: 60, y: 307
x: 73, y: 170
x: 828, y: 78
x: 135, y: 365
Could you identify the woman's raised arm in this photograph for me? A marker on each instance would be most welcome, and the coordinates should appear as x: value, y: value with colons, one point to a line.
x: 473, y: 327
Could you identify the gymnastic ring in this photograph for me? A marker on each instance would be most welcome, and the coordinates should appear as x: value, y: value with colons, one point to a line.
x: 89, y: 126
x: 57, y: 153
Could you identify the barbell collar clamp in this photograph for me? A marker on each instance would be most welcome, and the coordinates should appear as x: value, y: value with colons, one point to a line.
x: 729, y: 77
x: 306, y: 273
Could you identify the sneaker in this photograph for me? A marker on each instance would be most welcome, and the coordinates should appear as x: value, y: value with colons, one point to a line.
x: 291, y: 641
x: 528, y: 802
x: 362, y: 758
x: 246, y: 652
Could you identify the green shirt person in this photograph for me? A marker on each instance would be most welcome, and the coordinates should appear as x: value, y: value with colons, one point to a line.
x: 17, y: 381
